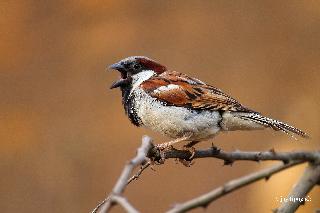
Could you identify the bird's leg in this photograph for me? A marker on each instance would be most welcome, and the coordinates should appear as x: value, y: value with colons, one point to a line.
x: 191, y: 144
x: 169, y: 144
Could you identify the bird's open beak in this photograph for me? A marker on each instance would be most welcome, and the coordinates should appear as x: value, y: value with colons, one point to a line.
x: 119, y: 83
x: 116, y: 66
x: 123, y: 80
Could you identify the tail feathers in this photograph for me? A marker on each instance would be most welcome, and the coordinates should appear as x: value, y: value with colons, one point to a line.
x: 274, y: 124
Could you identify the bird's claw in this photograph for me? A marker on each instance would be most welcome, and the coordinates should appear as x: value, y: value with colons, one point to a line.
x: 192, y: 151
x: 186, y: 163
x: 162, y: 148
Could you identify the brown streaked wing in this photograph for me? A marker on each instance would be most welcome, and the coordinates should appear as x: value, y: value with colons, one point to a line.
x: 189, y: 92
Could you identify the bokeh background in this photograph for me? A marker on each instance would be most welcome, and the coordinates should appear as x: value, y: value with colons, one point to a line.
x: 64, y: 135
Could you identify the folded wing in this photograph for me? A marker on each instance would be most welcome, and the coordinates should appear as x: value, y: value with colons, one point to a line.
x: 177, y: 89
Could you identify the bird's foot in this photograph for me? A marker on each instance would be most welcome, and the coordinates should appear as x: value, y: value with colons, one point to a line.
x: 186, y: 163
x: 190, y: 149
x: 189, y: 161
x: 162, y: 149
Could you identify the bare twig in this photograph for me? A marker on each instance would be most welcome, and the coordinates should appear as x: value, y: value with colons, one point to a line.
x: 308, y: 180
x: 124, y: 203
x: 206, y: 199
x: 115, y: 196
x: 228, y: 157
x: 136, y: 176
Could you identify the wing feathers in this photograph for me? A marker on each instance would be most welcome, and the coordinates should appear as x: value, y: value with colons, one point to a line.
x: 178, y: 89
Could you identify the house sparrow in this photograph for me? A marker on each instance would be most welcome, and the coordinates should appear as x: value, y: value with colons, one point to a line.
x: 181, y: 107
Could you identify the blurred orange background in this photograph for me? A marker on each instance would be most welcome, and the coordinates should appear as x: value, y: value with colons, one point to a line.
x: 65, y: 137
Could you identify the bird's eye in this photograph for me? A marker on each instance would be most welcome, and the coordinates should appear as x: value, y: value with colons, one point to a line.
x: 126, y: 65
x: 136, y: 66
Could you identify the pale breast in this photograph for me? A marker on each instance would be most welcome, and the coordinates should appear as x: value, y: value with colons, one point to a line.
x: 174, y: 121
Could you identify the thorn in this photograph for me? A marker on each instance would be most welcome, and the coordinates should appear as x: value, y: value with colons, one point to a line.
x: 215, y: 150
x: 272, y: 150
x: 224, y: 189
x: 267, y: 177
x: 228, y: 162
x: 285, y: 161
x: 205, y: 206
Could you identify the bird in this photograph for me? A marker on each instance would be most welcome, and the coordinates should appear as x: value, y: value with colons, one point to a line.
x: 181, y: 107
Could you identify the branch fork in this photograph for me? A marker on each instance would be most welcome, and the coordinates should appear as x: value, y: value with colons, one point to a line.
x: 149, y: 154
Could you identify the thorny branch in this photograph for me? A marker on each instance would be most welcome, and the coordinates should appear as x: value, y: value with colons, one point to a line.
x: 310, y: 178
x: 230, y: 157
x: 136, y: 176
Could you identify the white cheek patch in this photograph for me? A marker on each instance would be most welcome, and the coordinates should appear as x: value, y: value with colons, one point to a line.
x: 166, y: 88
x: 140, y: 78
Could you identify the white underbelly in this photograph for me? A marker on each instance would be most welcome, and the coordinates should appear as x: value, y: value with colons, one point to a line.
x: 174, y: 121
